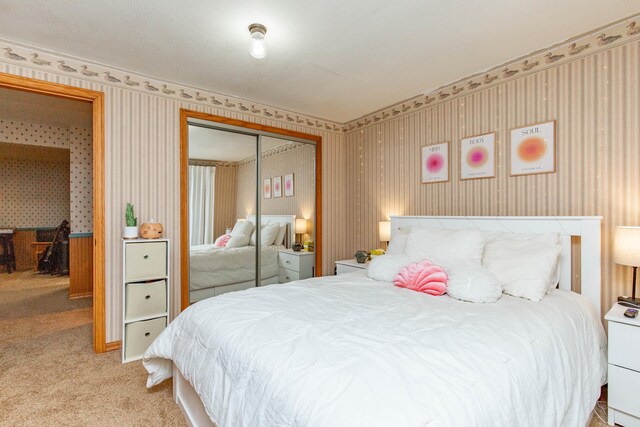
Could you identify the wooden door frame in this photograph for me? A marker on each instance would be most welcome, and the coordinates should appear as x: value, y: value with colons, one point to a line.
x: 185, y: 115
x: 97, y: 100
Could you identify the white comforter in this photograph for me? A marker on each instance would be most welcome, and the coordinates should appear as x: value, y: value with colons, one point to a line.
x: 349, y: 351
x: 210, y: 266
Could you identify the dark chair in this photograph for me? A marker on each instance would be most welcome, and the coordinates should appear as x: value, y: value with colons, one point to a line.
x: 8, y: 255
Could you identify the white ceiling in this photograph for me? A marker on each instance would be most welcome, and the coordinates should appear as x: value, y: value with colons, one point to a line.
x: 334, y: 59
x: 212, y: 144
x: 28, y: 107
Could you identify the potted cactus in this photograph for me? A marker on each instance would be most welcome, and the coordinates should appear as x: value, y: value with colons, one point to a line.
x: 131, y: 230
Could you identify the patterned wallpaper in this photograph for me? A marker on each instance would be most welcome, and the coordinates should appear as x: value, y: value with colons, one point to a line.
x: 34, y: 193
x: 33, y: 134
x: 79, y: 141
x: 81, y: 169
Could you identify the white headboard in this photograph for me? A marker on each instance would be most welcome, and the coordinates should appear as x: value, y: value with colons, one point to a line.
x: 290, y: 220
x: 586, y: 227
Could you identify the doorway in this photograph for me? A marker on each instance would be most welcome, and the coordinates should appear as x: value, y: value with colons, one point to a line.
x: 96, y: 242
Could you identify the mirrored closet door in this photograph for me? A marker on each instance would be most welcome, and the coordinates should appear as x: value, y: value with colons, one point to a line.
x: 247, y: 189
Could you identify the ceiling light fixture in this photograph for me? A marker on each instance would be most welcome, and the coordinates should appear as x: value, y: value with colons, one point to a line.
x: 258, y: 49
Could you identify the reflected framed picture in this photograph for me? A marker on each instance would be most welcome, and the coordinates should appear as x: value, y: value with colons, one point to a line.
x: 277, y: 186
x: 435, y: 163
x: 288, y: 185
x: 533, y: 149
x: 266, y: 188
x: 478, y: 156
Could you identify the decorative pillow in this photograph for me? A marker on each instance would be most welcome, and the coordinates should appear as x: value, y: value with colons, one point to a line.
x: 445, y: 247
x: 398, y: 243
x: 424, y: 277
x: 473, y: 284
x: 385, y: 268
x: 222, y: 241
x: 238, y: 241
x: 280, y: 237
x: 523, y: 268
x: 268, y: 233
x: 240, y: 235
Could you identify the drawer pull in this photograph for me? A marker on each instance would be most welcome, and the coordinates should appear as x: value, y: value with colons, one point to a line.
x: 287, y: 277
x: 288, y: 262
x: 146, y: 257
x: 147, y: 297
x: 147, y: 334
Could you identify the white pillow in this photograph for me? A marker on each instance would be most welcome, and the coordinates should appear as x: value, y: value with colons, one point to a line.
x: 473, y: 284
x: 385, y: 268
x: 523, y: 268
x: 398, y: 243
x: 268, y: 233
x: 238, y: 241
x: 445, y: 247
x: 242, y: 228
x: 280, y: 237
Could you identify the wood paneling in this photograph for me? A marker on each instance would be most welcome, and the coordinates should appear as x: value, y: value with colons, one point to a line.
x: 595, y: 101
x: 224, y: 205
x: 80, y: 267
x: 22, y: 240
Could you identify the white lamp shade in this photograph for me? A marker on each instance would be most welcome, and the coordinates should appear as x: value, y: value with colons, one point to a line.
x: 301, y: 226
x: 384, y: 230
x: 626, y: 246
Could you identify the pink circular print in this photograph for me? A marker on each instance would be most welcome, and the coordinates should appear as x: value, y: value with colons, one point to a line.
x: 435, y: 163
x: 276, y: 186
x: 267, y: 188
x: 287, y: 185
x: 477, y: 157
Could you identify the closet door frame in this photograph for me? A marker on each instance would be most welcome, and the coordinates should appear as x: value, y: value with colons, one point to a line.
x: 185, y: 115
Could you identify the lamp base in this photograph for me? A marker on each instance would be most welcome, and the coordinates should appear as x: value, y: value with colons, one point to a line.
x: 629, y: 302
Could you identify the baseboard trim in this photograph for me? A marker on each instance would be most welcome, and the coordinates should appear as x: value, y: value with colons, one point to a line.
x: 112, y: 346
x: 82, y: 295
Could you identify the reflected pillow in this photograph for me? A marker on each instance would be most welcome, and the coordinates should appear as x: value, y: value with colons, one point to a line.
x: 280, y: 237
x: 269, y: 232
x: 222, y: 241
x: 242, y: 228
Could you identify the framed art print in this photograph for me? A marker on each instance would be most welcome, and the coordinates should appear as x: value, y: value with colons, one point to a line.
x: 277, y: 186
x: 533, y: 149
x: 435, y: 163
x: 478, y: 156
x: 266, y: 188
x: 288, y: 185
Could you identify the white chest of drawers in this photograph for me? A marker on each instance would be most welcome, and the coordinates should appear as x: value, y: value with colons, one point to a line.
x: 624, y: 368
x: 295, y: 265
x: 349, y: 266
x: 145, y: 294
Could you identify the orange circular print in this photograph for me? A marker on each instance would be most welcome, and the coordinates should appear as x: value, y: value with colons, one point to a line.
x: 532, y: 149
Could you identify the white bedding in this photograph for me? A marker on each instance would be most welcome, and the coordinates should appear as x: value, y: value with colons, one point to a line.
x: 210, y: 266
x: 349, y: 351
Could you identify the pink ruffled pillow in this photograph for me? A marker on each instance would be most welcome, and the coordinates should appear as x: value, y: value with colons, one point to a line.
x: 424, y: 277
x: 222, y: 241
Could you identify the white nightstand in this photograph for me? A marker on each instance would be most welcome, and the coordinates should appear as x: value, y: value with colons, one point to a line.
x: 295, y: 265
x: 349, y: 266
x: 624, y: 367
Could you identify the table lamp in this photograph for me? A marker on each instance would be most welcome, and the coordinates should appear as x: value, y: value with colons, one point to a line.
x: 384, y: 230
x: 626, y: 251
x: 301, y: 227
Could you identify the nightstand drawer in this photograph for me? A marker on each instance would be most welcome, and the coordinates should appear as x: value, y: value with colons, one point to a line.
x: 287, y: 275
x: 622, y: 386
x: 140, y: 335
x: 289, y: 261
x: 146, y: 299
x: 145, y: 261
x: 624, y: 346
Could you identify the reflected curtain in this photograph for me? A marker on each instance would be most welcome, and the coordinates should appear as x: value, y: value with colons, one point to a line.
x: 201, y: 199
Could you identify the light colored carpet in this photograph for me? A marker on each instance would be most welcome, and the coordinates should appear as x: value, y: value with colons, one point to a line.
x: 49, y: 374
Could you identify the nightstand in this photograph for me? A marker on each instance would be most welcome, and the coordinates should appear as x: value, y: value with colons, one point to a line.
x: 624, y: 367
x: 295, y: 265
x: 349, y: 266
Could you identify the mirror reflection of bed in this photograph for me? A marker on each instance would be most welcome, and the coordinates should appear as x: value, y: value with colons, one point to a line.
x: 226, y: 196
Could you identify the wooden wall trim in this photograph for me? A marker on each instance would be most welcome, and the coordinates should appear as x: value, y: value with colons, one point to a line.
x: 97, y: 100
x: 184, y: 187
x: 113, y: 346
x: 80, y: 267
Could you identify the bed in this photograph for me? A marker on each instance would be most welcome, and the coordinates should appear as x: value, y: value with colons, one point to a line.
x: 214, y: 271
x: 348, y: 350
